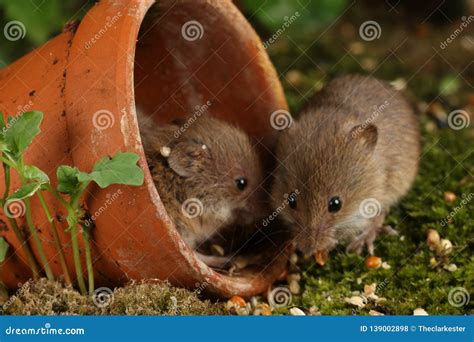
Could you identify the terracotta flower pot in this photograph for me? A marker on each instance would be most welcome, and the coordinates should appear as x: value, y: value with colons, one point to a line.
x: 87, y: 81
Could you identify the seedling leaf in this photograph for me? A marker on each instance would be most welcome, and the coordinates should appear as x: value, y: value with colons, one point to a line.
x: 21, y: 131
x: 34, y: 174
x: 67, y: 179
x: 25, y: 191
x: 120, y: 169
x: 3, y: 249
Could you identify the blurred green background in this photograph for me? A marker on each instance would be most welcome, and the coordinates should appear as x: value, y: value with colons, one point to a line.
x: 44, y: 19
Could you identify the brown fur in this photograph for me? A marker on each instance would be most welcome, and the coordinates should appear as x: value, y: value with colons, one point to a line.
x: 207, y: 174
x: 341, y: 146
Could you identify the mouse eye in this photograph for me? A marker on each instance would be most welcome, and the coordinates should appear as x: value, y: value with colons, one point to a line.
x: 335, y: 204
x: 292, y: 200
x: 241, y: 183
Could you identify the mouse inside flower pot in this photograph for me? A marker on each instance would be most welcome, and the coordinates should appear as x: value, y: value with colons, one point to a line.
x: 208, y: 175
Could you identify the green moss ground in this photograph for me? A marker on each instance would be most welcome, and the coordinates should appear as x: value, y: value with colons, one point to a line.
x: 445, y: 77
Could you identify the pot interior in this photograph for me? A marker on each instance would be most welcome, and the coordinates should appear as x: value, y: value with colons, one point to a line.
x: 190, y: 61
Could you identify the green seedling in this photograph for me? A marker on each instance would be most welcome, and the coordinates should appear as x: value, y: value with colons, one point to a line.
x: 3, y: 249
x: 121, y: 169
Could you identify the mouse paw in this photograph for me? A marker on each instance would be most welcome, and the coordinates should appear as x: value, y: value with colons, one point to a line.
x: 367, y: 238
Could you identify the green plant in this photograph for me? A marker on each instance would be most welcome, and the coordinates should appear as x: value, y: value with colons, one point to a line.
x: 15, y: 137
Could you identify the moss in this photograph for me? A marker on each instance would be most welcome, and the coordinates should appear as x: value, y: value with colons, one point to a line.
x: 143, y: 298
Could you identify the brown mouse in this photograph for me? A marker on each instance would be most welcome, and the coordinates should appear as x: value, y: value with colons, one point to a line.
x: 207, y: 173
x: 350, y: 156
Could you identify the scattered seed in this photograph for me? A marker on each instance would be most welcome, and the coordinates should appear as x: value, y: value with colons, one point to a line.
x: 451, y: 268
x: 370, y: 289
x: 368, y: 63
x: 294, y: 311
x: 217, y: 250
x: 449, y: 196
x: 294, y: 77
x: 433, y: 240
x: 295, y: 287
x: 254, y: 301
x: 238, y: 301
x: 165, y: 151
x: 399, y: 83
x: 321, y: 257
x: 293, y: 276
x: 356, y: 301
x: 373, y: 262
x: 357, y: 48
x: 445, y: 247
x: 420, y: 312
x: 294, y: 258
x: 386, y: 265
x: 263, y: 309
x: 375, y: 313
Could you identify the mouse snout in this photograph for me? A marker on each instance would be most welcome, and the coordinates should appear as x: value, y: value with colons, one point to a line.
x: 313, y: 239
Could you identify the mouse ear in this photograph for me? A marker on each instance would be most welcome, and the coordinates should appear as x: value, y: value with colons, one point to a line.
x: 188, y: 158
x: 364, y: 134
